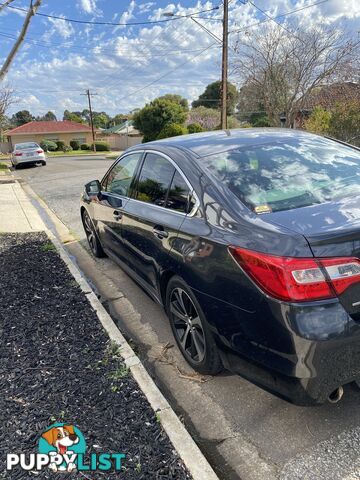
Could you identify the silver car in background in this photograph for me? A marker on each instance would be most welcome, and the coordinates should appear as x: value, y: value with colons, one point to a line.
x: 28, y: 153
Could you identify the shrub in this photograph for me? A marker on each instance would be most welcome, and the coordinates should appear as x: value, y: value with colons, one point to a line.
x: 194, y: 128
x: 60, y: 146
x: 67, y: 148
x: 74, y: 144
x: 48, y: 146
x: 172, y: 130
x: 101, y: 147
x: 85, y: 146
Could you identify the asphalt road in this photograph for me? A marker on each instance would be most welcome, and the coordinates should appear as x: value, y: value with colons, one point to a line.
x: 246, y: 432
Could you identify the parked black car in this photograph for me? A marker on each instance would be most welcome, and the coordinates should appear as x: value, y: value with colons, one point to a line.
x: 250, y: 239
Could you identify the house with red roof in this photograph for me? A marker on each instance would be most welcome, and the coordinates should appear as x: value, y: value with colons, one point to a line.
x: 56, y: 131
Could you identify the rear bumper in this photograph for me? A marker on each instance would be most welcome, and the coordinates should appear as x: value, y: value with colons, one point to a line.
x: 19, y: 161
x: 300, y: 352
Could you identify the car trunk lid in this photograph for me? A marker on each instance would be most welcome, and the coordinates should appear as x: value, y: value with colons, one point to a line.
x: 332, y: 230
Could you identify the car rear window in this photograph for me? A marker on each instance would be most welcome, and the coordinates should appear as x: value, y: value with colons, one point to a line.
x: 25, y: 146
x: 288, y: 174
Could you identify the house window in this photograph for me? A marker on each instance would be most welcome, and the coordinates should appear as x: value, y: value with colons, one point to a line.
x: 80, y: 140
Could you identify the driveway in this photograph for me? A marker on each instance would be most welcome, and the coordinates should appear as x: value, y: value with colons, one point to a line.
x: 246, y: 432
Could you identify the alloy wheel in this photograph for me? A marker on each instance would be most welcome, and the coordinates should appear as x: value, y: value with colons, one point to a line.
x: 187, y: 325
x: 89, y: 231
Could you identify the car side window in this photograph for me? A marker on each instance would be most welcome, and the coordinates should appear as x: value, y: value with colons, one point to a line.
x: 120, y: 177
x: 154, y: 180
x: 179, y: 197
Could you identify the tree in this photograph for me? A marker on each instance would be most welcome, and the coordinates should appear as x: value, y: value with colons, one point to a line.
x: 211, y: 98
x: 6, y: 99
x: 285, y: 68
x: 152, y: 118
x: 22, y: 117
x: 344, y: 123
x: 208, y: 118
x: 73, y: 116
x: 101, y: 119
x: 10, y: 58
x: 172, y: 130
x: 48, y: 117
x: 318, y: 121
x: 176, y: 99
x: 119, y: 119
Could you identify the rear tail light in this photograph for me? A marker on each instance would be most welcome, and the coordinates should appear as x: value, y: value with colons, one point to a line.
x: 298, y: 279
x: 18, y: 154
x: 39, y: 151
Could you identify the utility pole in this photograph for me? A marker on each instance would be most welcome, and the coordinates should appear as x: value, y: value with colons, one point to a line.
x: 89, y: 95
x: 224, y: 76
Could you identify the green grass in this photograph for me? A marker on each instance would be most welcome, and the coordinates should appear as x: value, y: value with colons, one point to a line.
x: 74, y: 153
x: 3, y: 166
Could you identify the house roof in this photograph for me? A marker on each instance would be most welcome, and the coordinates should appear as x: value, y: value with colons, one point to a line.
x: 65, y: 126
x: 329, y: 95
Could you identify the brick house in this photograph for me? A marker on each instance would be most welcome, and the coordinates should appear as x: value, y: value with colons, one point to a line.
x: 56, y: 131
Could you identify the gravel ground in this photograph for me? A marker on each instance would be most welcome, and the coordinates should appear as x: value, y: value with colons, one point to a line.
x: 56, y: 364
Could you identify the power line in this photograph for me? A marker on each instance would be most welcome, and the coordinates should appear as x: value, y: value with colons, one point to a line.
x: 273, y: 20
x: 242, y: 29
x: 113, y: 24
x: 166, y: 74
x: 75, y: 48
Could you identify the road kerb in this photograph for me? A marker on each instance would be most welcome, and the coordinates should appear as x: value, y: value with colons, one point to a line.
x: 184, y: 444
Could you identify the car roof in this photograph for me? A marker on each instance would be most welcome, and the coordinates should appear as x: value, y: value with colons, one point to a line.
x: 207, y: 143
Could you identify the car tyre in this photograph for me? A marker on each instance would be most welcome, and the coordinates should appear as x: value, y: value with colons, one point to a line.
x: 43, y: 163
x: 92, y: 237
x: 190, y: 328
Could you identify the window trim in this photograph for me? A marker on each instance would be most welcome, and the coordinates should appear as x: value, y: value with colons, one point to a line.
x: 177, y: 169
x: 135, y: 176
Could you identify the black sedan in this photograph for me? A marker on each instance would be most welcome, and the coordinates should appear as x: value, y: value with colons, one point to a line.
x: 250, y: 239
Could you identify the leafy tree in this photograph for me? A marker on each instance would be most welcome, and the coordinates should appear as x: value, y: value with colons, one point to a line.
x: 176, y: 99
x: 73, y: 116
x: 120, y: 118
x: 194, y: 128
x: 259, y: 120
x: 22, y: 117
x: 318, y: 121
x: 152, y: 118
x: 211, y: 98
x: 344, y: 123
x: 101, y: 119
x: 172, y: 130
x: 207, y: 118
x: 49, y: 117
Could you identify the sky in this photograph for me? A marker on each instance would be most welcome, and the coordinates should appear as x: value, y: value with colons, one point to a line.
x: 128, y: 66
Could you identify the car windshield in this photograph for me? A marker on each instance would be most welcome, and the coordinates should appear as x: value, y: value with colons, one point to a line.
x: 289, y: 173
x: 25, y: 146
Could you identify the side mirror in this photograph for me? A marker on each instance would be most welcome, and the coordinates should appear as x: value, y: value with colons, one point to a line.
x: 93, y: 188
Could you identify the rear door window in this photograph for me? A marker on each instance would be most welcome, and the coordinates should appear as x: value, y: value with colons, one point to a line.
x: 154, y: 180
x: 179, y: 195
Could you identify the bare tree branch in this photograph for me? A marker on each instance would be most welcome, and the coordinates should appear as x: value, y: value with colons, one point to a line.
x: 32, y: 11
x: 5, y: 4
x: 284, y: 70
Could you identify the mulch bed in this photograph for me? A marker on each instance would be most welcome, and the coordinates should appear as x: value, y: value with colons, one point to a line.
x: 57, y: 364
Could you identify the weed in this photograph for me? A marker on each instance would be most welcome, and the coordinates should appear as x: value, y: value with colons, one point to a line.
x: 118, y: 374
x: 48, y: 247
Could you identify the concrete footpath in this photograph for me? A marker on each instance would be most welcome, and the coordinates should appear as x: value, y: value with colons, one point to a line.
x: 17, y: 214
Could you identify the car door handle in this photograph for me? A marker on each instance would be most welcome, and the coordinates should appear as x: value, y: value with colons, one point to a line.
x: 160, y: 232
x: 117, y: 215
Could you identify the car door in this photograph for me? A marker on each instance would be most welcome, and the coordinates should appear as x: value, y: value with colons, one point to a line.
x: 153, y: 216
x: 109, y: 205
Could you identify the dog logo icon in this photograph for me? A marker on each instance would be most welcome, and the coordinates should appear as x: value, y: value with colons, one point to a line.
x: 63, y: 443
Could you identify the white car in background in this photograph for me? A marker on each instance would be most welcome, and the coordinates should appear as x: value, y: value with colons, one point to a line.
x: 29, y: 153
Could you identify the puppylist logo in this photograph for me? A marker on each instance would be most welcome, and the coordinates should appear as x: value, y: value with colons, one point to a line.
x: 62, y: 448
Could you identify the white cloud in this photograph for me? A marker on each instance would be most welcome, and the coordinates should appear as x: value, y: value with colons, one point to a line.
x: 146, y: 7
x: 63, y: 28
x: 89, y: 6
x: 127, y: 15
